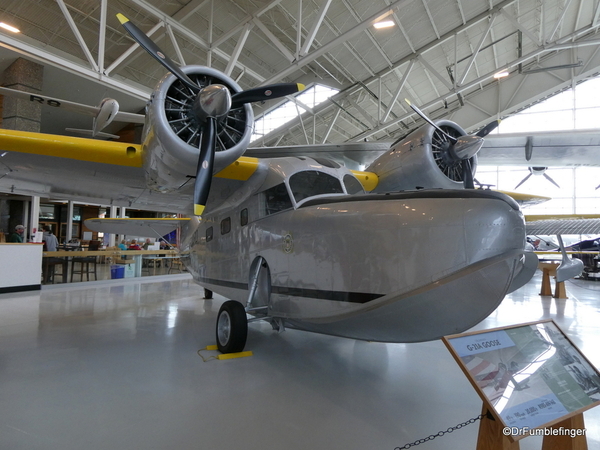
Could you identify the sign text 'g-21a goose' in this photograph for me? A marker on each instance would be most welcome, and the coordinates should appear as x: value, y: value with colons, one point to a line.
x: 296, y: 241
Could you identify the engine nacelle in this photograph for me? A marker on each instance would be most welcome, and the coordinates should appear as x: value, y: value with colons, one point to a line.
x: 171, y: 137
x: 422, y: 160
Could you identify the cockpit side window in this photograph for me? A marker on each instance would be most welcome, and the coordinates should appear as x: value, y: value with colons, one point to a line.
x: 352, y: 185
x: 312, y: 182
x: 275, y: 199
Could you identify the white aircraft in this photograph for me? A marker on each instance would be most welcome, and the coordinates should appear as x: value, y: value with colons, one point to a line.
x: 103, y: 114
x: 295, y: 240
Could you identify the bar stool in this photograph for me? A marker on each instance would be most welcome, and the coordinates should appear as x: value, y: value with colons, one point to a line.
x: 84, y: 267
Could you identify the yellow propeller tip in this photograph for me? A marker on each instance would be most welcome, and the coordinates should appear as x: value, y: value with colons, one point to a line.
x: 198, y: 210
x: 301, y: 87
x: 122, y: 18
x: 407, y: 101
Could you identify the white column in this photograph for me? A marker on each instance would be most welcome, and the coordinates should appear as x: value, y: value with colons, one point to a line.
x: 34, y: 222
x: 70, y: 221
x: 112, y: 238
x: 26, y: 220
x: 122, y: 215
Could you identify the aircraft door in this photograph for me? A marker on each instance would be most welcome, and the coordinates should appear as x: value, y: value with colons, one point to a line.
x: 259, y: 286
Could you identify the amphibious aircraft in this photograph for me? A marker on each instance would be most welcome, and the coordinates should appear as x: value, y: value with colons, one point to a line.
x: 295, y: 240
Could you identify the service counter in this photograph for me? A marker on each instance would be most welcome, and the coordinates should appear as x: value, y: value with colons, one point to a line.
x: 21, y: 267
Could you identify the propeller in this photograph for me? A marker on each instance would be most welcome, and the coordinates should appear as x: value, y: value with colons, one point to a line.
x: 461, y: 148
x: 538, y: 171
x: 211, y: 102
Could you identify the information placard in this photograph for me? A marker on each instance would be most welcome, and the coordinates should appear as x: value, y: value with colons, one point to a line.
x: 530, y: 375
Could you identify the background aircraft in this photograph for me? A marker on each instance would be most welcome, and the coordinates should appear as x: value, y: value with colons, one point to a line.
x: 103, y: 114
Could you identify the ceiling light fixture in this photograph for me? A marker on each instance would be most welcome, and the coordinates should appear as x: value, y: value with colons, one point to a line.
x: 9, y: 27
x: 384, y: 24
x: 501, y: 74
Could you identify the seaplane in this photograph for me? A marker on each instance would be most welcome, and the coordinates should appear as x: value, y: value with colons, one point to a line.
x: 405, y: 250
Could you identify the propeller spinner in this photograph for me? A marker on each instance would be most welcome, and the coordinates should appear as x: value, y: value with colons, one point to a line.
x: 211, y: 102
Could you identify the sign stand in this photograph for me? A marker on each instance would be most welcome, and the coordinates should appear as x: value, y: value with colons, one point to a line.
x: 533, y: 382
x: 490, y: 435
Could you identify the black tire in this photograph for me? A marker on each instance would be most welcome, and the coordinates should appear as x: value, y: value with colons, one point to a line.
x: 232, y: 327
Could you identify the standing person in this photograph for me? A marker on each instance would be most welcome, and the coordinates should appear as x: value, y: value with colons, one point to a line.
x: 17, y: 236
x: 50, y: 240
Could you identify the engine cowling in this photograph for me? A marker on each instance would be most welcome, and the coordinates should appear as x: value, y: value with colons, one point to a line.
x: 423, y: 159
x: 171, y: 136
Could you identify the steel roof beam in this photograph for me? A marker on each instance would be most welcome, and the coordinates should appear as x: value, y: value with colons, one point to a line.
x: 77, y: 34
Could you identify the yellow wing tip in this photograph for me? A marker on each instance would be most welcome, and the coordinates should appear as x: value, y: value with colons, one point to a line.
x: 199, y: 209
x: 122, y: 18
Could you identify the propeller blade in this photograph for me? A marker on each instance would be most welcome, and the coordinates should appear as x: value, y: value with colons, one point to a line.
x: 204, y: 172
x: 146, y: 43
x: 263, y: 93
x: 523, y: 180
x: 467, y: 174
x: 547, y: 177
x: 488, y: 128
x: 429, y: 121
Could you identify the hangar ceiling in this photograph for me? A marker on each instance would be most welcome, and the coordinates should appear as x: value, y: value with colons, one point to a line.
x: 441, y: 55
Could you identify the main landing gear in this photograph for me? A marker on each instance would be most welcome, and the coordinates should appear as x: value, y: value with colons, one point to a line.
x: 232, y: 327
x: 232, y: 324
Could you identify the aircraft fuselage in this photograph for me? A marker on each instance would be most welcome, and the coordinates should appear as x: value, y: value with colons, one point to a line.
x: 400, y: 267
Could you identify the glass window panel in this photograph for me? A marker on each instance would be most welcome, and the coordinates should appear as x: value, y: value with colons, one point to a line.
x: 275, y: 199
x: 312, y: 182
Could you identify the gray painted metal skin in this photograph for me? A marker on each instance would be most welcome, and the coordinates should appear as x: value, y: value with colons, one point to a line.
x: 403, y: 267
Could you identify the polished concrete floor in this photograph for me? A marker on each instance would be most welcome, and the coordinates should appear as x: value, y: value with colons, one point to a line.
x: 114, y: 365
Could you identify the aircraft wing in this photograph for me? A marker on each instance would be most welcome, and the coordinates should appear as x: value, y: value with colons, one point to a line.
x: 539, y: 149
x: 350, y: 154
x: 542, y: 149
x: 562, y: 224
x: 92, y: 171
x: 136, y: 227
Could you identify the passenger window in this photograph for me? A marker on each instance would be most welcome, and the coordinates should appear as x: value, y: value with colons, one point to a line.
x: 244, y: 217
x: 352, y: 185
x: 312, y: 182
x: 209, y: 234
x: 226, y: 225
x: 276, y: 199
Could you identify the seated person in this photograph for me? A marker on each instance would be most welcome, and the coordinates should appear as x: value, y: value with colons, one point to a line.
x: 134, y: 245
x: 123, y: 245
x: 147, y: 244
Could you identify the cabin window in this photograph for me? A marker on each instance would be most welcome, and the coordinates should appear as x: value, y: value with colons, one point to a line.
x: 312, y: 182
x: 209, y: 234
x: 276, y: 199
x: 226, y: 225
x: 244, y: 217
x: 352, y: 185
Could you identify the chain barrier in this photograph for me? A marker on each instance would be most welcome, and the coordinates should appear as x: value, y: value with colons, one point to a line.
x: 441, y: 433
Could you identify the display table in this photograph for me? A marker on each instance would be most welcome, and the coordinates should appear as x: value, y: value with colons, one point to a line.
x: 21, y: 267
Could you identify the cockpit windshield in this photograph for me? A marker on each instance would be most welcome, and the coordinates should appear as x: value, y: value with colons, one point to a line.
x: 312, y: 182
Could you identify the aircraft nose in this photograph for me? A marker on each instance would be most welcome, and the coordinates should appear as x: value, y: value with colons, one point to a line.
x: 493, y: 228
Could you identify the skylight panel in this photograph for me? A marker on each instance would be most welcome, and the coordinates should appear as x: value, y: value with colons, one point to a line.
x: 288, y: 111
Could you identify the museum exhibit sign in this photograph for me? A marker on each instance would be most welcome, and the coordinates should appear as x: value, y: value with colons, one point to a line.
x: 530, y: 377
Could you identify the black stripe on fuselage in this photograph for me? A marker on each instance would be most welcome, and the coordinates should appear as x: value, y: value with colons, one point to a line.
x: 336, y: 296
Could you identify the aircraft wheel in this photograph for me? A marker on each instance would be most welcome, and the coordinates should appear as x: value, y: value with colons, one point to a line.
x: 232, y: 327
